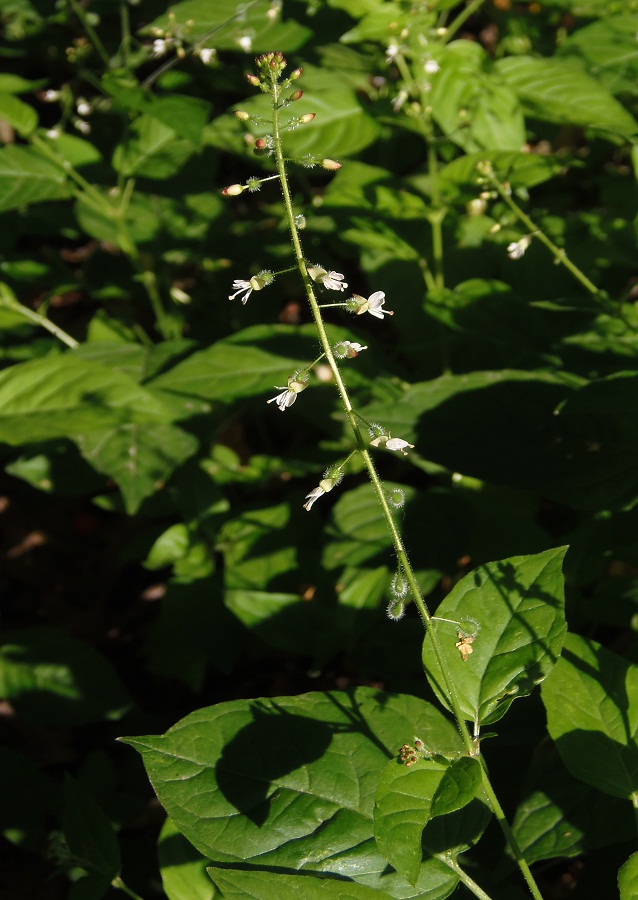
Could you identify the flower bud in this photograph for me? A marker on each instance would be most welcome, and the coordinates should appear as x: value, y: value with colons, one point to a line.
x: 233, y: 190
x: 241, y: 114
x: 297, y: 95
x: 261, y: 144
x: 296, y: 74
x: 307, y: 118
x: 331, y: 164
x: 252, y: 79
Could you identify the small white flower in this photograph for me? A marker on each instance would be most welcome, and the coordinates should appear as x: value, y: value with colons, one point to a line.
x: 206, y: 54
x: 326, y: 484
x: 399, y: 100
x: 51, y: 96
x: 296, y: 384
x: 373, y: 305
x: 390, y: 443
x: 83, y: 107
x: 53, y: 133
x: 313, y: 496
x: 432, y: 67
x: 517, y: 249
x: 391, y: 53
x: 333, y: 281
x: 160, y: 46
x: 246, y: 43
x: 348, y: 349
x: 398, y: 444
x: 82, y: 126
x: 241, y: 287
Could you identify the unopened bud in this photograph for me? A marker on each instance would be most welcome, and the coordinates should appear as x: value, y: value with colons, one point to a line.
x: 241, y: 114
x: 296, y: 74
x: 331, y: 164
x: 296, y: 96
x: 307, y: 118
x: 252, y: 79
x: 261, y: 144
x: 233, y: 190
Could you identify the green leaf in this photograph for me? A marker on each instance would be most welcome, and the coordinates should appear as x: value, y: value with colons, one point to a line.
x: 628, y: 878
x: 54, y: 679
x: 152, y: 150
x: 141, y: 221
x: 471, y: 105
x: 19, y: 115
x: 182, y: 868
x: 608, y: 49
x: 563, y: 817
x: 29, y: 799
x: 310, y: 764
x: 223, y: 23
x: 237, y: 366
x: 138, y: 456
x: 518, y: 604
x: 89, y: 834
x: 258, y: 885
x: 26, y: 177
x: 408, y: 797
x: 185, y: 115
x: 559, y: 90
x: 591, y: 701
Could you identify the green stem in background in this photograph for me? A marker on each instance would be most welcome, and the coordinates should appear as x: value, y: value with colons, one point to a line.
x: 125, y: 25
x: 91, y: 32
x: 461, y: 19
x: 119, y: 885
x: 10, y: 302
x: 557, y: 252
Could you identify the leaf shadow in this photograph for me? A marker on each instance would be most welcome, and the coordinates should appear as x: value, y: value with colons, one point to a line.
x: 275, y: 744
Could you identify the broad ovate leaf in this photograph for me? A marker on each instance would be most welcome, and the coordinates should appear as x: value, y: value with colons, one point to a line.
x: 591, y: 699
x: 408, y: 797
x: 518, y: 607
x: 290, y: 781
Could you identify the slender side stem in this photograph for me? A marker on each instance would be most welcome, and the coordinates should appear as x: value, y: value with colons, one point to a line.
x: 557, y: 252
x: 99, y: 201
x: 40, y: 320
x: 125, y: 24
x: 92, y: 33
x: 497, y: 809
x: 119, y: 884
x: 469, y: 883
x: 461, y: 19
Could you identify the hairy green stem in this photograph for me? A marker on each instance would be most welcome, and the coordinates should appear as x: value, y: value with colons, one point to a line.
x: 497, y: 809
x: 402, y: 557
x: 400, y: 551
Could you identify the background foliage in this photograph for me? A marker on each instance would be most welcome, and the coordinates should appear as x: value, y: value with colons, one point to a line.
x: 158, y: 559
